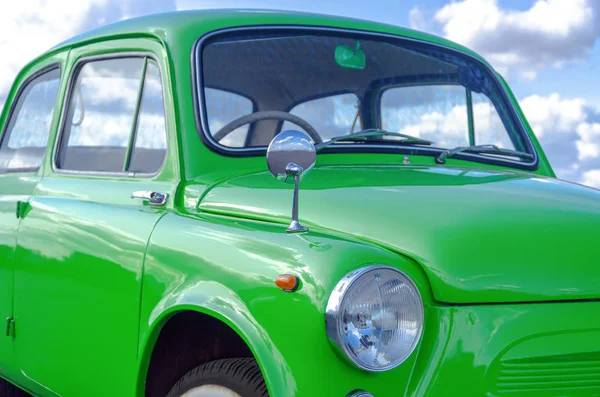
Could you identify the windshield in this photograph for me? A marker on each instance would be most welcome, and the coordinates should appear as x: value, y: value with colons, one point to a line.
x: 344, y: 82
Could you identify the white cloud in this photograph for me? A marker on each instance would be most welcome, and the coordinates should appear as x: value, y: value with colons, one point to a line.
x: 553, y: 114
x: 101, y: 87
x: 113, y: 129
x: 550, y: 33
x: 33, y: 28
x: 450, y: 129
x: 30, y: 27
x: 592, y: 178
x: 529, y: 75
x: 589, y: 143
x: 445, y: 129
x: 418, y: 20
x: 570, y: 138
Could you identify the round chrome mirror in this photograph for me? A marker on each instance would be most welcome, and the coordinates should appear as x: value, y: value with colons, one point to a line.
x: 290, y: 154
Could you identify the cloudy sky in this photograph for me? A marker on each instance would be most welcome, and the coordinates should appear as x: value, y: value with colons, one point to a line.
x: 547, y: 49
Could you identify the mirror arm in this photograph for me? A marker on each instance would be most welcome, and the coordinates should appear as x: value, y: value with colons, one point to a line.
x: 295, y: 170
x: 291, y: 154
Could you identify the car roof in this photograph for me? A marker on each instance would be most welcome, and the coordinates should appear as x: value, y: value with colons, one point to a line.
x: 171, y: 25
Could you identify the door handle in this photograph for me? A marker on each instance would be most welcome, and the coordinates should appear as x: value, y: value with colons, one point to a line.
x: 153, y: 198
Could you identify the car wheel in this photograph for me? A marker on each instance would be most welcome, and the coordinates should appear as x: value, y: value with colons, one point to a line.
x: 232, y: 377
x: 8, y: 390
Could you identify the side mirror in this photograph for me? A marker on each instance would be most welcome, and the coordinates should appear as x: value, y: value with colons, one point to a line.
x: 291, y: 154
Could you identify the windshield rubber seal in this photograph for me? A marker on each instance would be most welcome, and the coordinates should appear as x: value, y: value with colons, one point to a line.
x: 207, y: 139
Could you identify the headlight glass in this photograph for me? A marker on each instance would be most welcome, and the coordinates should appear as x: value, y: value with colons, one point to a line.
x: 375, y: 317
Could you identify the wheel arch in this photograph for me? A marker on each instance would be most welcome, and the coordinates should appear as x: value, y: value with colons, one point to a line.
x: 222, y: 304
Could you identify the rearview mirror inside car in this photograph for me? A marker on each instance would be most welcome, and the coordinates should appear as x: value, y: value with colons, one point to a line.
x: 352, y: 58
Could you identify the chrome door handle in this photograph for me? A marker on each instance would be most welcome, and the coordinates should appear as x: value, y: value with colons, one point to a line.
x: 153, y: 198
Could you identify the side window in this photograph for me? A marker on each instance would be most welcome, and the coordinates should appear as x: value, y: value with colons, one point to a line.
x: 102, y: 124
x: 440, y: 113
x: 434, y: 112
x: 489, y: 128
x: 150, y: 141
x: 26, y: 135
x: 222, y: 107
x: 331, y: 116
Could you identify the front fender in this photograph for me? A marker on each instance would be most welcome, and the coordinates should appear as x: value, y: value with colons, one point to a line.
x: 216, y: 300
x: 226, y: 268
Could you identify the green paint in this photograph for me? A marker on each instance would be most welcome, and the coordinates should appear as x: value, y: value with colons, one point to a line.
x: 90, y: 275
x: 470, y: 117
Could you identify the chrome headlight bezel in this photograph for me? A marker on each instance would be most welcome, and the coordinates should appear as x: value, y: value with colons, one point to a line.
x: 332, y: 316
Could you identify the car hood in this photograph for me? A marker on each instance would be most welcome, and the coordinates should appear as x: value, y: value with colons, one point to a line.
x: 480, y: 236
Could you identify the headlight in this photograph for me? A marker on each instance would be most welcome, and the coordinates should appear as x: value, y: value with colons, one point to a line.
x: 375, y: 317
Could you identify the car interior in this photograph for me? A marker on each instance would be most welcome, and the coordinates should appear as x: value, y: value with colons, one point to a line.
x: 284, y: 70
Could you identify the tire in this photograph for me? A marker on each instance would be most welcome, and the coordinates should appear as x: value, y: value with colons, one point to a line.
x: 232, y: 377
x: 7, y: 389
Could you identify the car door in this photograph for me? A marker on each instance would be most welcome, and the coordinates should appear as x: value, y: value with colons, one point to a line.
x: 81, y: 246
x: 22, y: 148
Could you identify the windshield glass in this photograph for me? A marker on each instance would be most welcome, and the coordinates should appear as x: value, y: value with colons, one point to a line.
x: 347, y: 82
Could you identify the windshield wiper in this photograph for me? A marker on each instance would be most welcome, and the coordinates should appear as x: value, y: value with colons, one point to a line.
x: 374, y: 132
x: 488, y: 149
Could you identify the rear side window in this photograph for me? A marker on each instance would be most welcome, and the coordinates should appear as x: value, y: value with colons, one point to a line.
x: 115, y: 120
x: 434, y: 112
x: 331, y: 115
x: 488, y: 124
x: 441, y: 112
x: 224, y: 107
x: 26, y: 135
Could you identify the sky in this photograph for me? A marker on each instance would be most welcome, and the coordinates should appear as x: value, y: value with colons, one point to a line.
x: 548, y: 50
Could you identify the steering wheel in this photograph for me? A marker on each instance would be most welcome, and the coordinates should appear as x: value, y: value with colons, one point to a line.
x: 268, y: 115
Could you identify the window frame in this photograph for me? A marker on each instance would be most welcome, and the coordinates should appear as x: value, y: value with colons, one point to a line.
x: 13, y: 107
x: 200, y: 108
x: 74, y: 74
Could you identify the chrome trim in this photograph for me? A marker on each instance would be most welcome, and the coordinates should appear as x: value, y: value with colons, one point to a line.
x: 65, y: 108
x: 296, y: 227
x: 359, y: 393
x: 153, y: 198
x: 201, y: 122
x: 291, y: 154
x: 335, y: 302
x: 294, y: 170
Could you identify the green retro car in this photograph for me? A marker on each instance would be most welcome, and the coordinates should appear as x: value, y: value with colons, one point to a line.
x: 147, y: 249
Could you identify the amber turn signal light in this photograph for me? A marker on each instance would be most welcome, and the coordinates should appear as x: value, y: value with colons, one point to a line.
x: 287, y: 282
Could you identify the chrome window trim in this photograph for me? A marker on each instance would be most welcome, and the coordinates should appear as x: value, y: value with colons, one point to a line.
x: 332, y: 313
x: 74, y: 74
x: 359, y: 393
x: 10, y: 113
x: 202, y: 124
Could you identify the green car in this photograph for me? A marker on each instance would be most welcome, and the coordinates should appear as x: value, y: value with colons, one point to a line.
x: 413, y: 242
